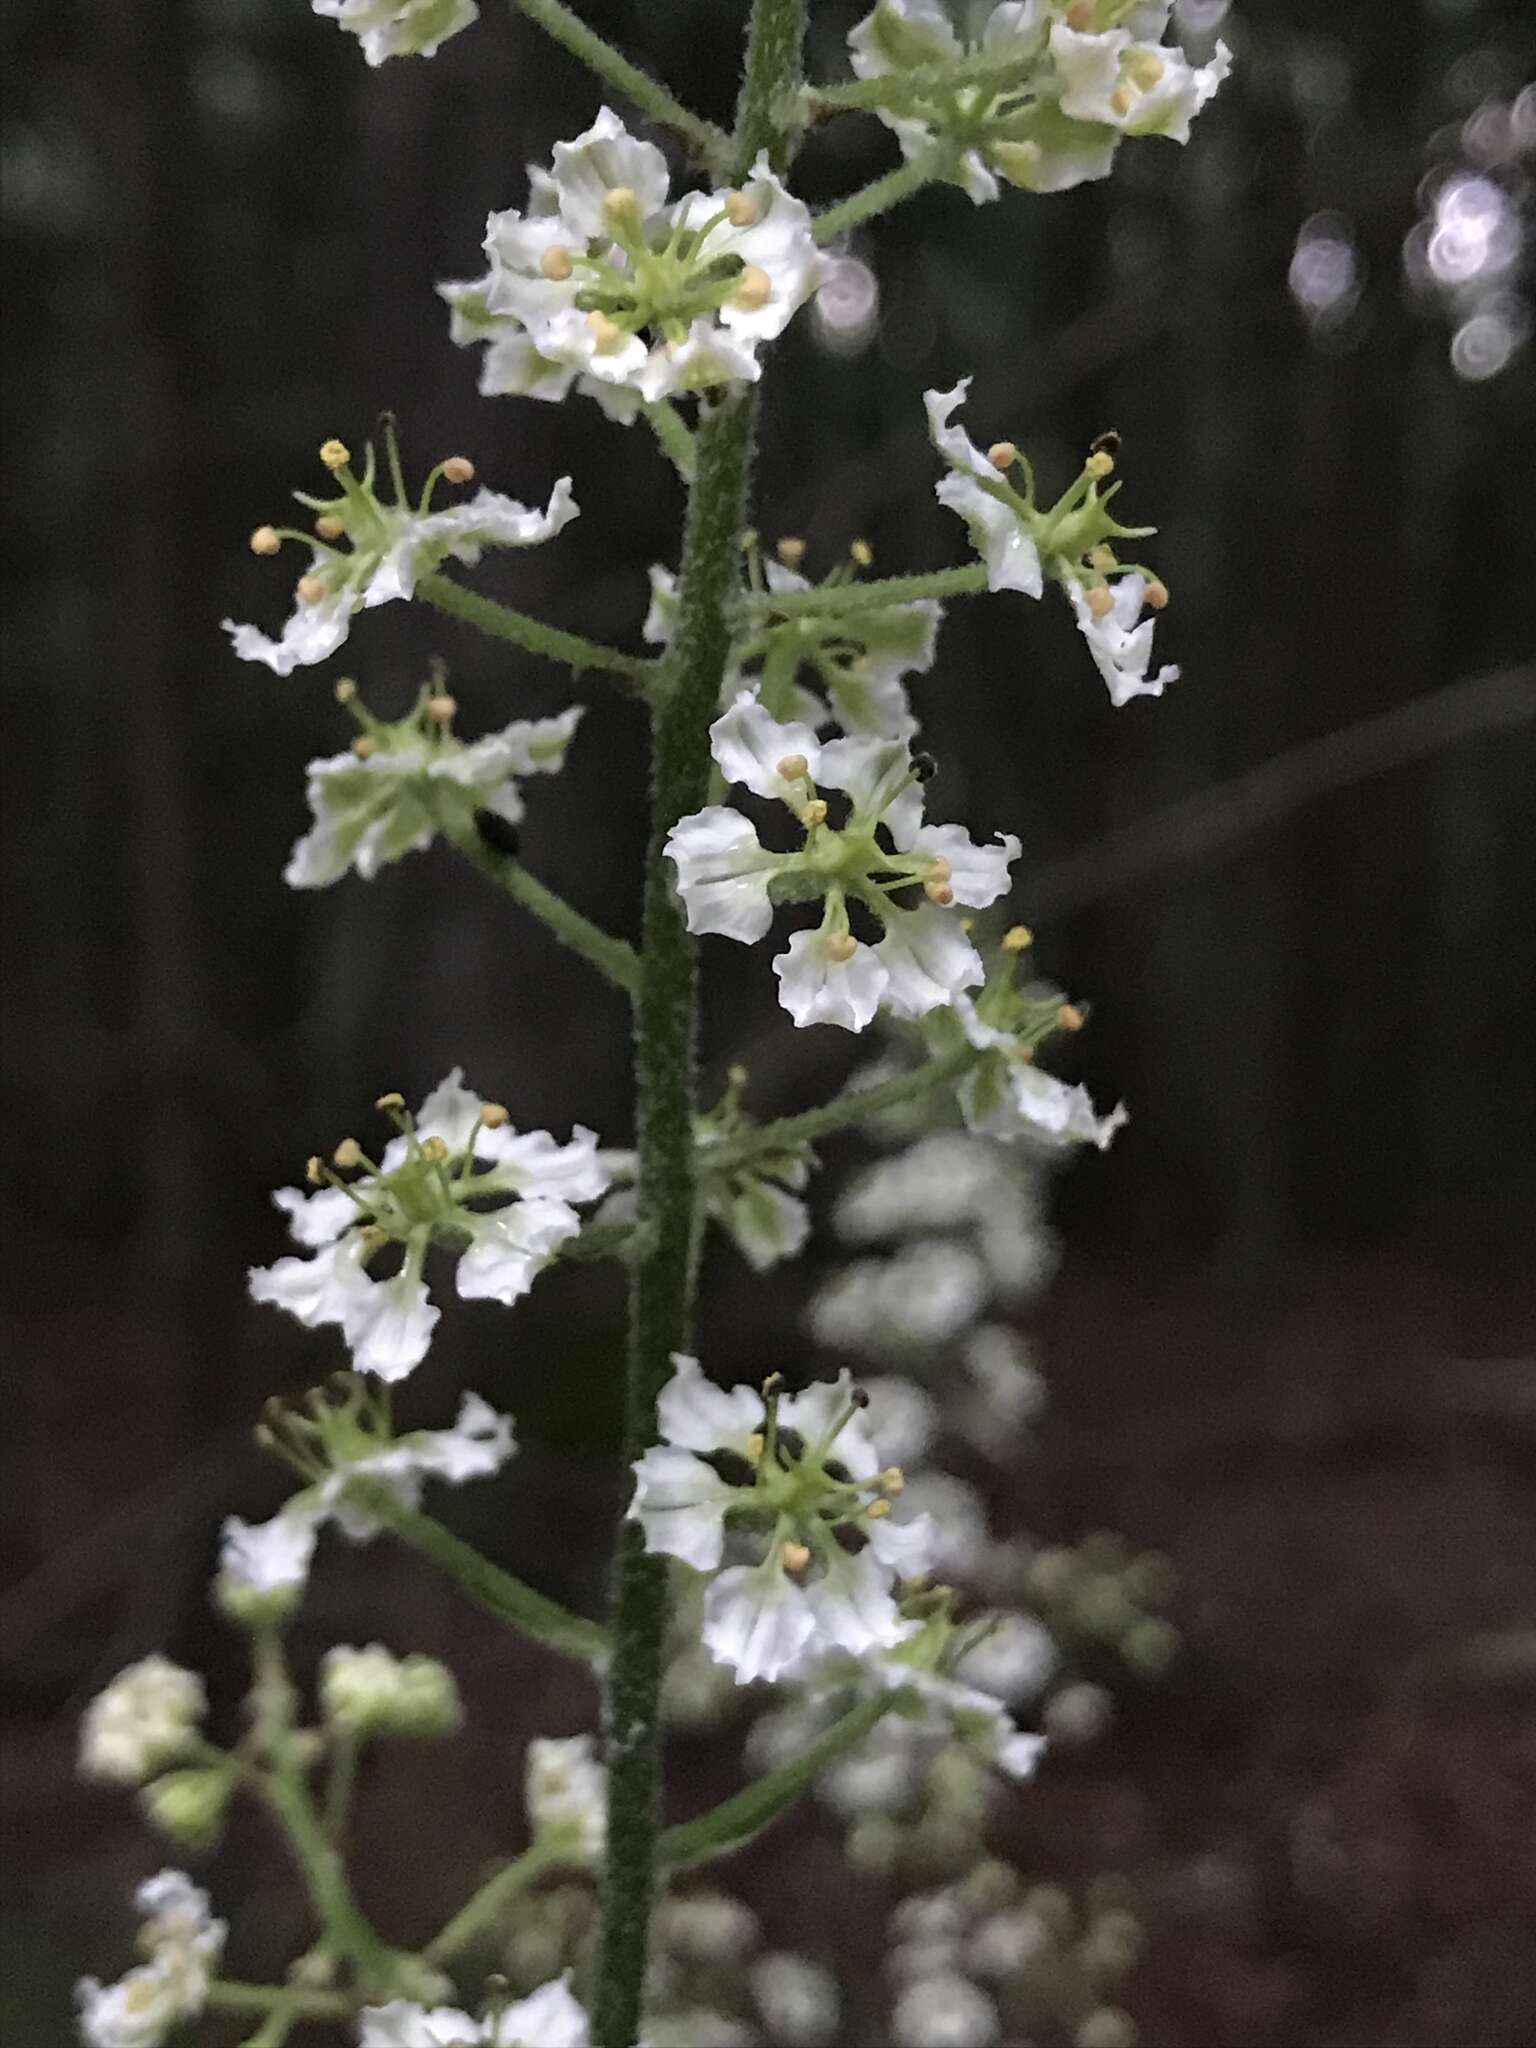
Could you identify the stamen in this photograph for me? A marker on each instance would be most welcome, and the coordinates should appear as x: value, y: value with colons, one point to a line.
x: 756, y: 1444
x: 314, y: 1171
x: 335, y: 454
x: 435, y: 1149
x: 1145, y: 68
x: 329, y: 527
x: 264, y: 541
x: 1156, y: 593
x: 754, y: 290
x: 892, y: 1479
x: 878, y: 1510
x: 1103, y: 559
x: 1018, y: 939
x: 940, y: 870
x: 794, y: 1557
x: 390, y: 1102
x: 556, y: 263
x: 790, y: 551
x: 494, y: 1114
x: 458, y: 469
x: 607, y: 334
x: 741, y: 210
x: 1070, y: 1018
x: 345, y: 691
x: 815, y: 812
x: 441, y: 709
x: 620, y: 205
x: 841, y: 948
x: 347, y: 1155
x: 310, y: 589
x: 793, y: 767
x: 940, y: 893
x: 1080, y: 15
x: 861, y: 554
x: 1120, y: 99
x: 362, y: 746
x: 1099, y: 463
x: 1099, y: 600
x: 1003, y: 454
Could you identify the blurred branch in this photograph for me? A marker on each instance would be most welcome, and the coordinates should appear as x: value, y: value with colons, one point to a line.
x: 709, y: 143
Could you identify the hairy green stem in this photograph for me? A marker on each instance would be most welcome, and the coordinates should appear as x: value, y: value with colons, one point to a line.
x: 347, y: 1931
x: 770, y: 83
x: 232, y: 1996
x: 503, y: 623
x: 878, y: 197
x: 485, y: 1907
x: 484, y: 1583
x: 707, y: 142
x: 841, y: 598
x: 613, y: 958
x: 738, y: 1820
x: 899, y: 90
x: 674, y: 435
x: 840, y: 1114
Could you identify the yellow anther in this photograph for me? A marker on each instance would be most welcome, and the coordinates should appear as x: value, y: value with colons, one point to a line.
x: 621, y: 204
x: 314, y: 1171
x: 345, y: 690
x: 790, y: 551
x: 815, y: 812
x: 375, y: 1236
x: 335, y: 454
x: 458, y: 469
x: 861, y: 554
x: 792, y: 767
x: 1099, y: 463
x: 940, y: 870
x: 1070, y: 1018
x: 795, y: 1557
x: 557, y: 263
x: 756, y: 1445
x: 329, y: 527
x: 753, y: 290
x: 393, y: 1100
x: 1016, y: 160
x: 878, y: 1510
x: 607, y: 334
x: 1099, y: 600
x: 892, y: 1479
x: 1120, y: 99
x: 940, y: 893
x: 1080, y: 15
x: 264, y: 541
x: 435, y: 1149
x: 362, y: 746
x: 310, y: 589
x: 841, y: 947
x: 1018, y: 939
x: 967, y: 925
x: 741, y: 210
x: 494, y: 1114
x: 347, y: 1155
x: 1156, y: 593
x: 1003, y: 454
x: 1145, y: 69
x: 441, y: 708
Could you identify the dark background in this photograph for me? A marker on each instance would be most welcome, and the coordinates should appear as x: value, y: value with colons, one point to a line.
x: 1292, y: 1340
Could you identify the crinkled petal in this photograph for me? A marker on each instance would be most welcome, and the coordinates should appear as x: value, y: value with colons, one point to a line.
x: 313, y: 633
x: 512, y: 1246
x: 928, y: 960
x: 680, y: 1503
x: 816, y: 989
x: 389, y: 1326
x: 756, y: 1621
x: 723, y: 873
x: 748, y: 746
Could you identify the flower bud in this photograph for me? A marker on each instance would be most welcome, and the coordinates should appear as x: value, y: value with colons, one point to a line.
x: 144, y: 1719
x: 1003, y: 454
x: 329, y: 527
x: 370, y: 1692
x: 458, y: 469
x: 264, y: 541
x: 188, y: 1805
x: 556, y: 263
x: 741, y: 209
x: 335, y: 454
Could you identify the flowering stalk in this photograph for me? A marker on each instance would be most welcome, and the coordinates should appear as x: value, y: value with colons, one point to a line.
x: 665, y: 1035
x: 879, y: 196
x: 843, y: 1111
x: 842, y: 598
x: 613, y: 958
x: 501, y: 622
x: 485, y: 1907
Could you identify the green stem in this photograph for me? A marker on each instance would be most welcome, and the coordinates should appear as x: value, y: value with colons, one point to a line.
x: 840, y: 1114
x: 707, y: 141
x: 770, y: 84
x: 339, y: 1786
x: 738, y: 1820
x: 231, y: 1996
x: 673, y: 434
x: 484, y: 1583
x: 482, y: 1911
x: 347, y: 1931
x: 966, y: 581
x: 899, y: 90
x: 503, y: 623
x: 877, y: 197
x: 613, y: 958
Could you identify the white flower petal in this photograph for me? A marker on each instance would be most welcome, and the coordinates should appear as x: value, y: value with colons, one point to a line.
x: 313, y: 633
x: 978, y: 874
x: 756, y: 1621
x: 748, y: 746
x: 535, y: 1163
x: 389, y: 1326
x: 723, y: 872
x: 603, y: 158
x: 268, y: 1557
x: 512, y: 1246
x: 680, y: 1503
x: 928, y: 960
x: 816, y: 989
x: 695, y: 1414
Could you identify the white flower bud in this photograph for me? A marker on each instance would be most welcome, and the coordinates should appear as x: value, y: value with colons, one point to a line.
x: 145, y: 1718
x: 371, y: 1692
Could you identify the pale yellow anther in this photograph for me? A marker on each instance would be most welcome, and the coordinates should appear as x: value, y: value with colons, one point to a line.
x: 314, y: 1170
x: 1099, y: 600
x: 1070, y: 1018
x: 841, y: 947
x: 607, y: 334
x: 1156, y: 593
x: 878, y: 1510
x: 335, y: 454
x: 815, y: 812
x: 1080, y: 15
x: 967, y: 925
x: 557, y: 263
x: 347, y: 1154
x: 345, y: 690
x: 1103, y: 559
x: 362, y: 746
x: 795, y: 1557
x: 393, y: 1100
x: 892, y: 1479
x: 861, y: 554
x: 435, y: 1149
x: 940, y: 869
x: 1003, y: 454
x: 940, y: 893
x: 494, y: 1114
x: 1120, y: 99
x: 790, y: 550
x: 441, y: 709
x: 329, y: 527
x: 756, y: 1445
x: 310, y: 589
x: 375, y: 1236
x: 1099, y: 463
x: 1018, y: 939
x: 1016, y: 159
x: 458, y: 469
x: 264, y: 541
x: 741, y: 210
x: 792, y: 767
x: 1145, y: 69
x: 736, y: 1074
x: 754, y: 288
x: 620, y: 203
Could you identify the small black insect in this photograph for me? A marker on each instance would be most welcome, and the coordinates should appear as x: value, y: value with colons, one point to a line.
x: 499, y: 834
x: 924, y: 767
x: 1106, y: 444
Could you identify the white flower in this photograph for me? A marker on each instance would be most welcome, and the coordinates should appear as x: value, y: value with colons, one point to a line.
x: 414, y: 780
x: 148, y: 1716
x: 707, y: 1927
x: 183, y: 1943
x: 1120, y: 647
x: 922, y: 1296
x: 457, y: 1150
x: 802, y: 1466
x: 944, y: 2012
x: 390, y: 548
x: 1139, y: 88
x: 266, y: 1563
x: 601, y: 276
x: 728, y: 880
x: 565, y: 1789
x: 400, y: 28
x: 548, y: 2018
x: 1003, y: 542
x: 1007, y: 1096
x: 477, y: 1446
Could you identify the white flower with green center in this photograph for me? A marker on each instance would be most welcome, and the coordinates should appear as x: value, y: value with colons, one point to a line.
x: 795, y: 1477
x: 1071, y: 541
x: 565, y: 1790
x: 183, y: 1943
x: 881, y: 850
x: 430, y: 1186
x: 607, y: 278
x: 389, y: 548
x: 399, y: 28
x: 404, y: 781
x: 548, y: 2018
x: 146, y: 1718
x: 337, y: 1445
